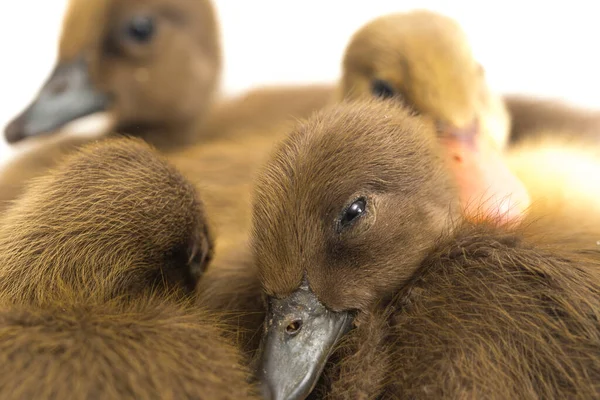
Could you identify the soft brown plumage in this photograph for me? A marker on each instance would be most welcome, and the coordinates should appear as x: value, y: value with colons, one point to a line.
x: 99, y: 259
x: 153, y: 349
x: 116, y: 203
x: 357, y: 204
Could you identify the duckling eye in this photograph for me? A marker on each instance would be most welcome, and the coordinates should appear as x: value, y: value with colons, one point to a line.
x: 141, y: 29
x: 382, y: 89
x: 354, y: 211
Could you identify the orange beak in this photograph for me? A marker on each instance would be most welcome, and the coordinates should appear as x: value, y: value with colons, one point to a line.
x: 488, y: 189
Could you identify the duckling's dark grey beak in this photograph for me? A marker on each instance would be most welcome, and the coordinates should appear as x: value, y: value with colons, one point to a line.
x: 66, y: 96
x: 300, y: 335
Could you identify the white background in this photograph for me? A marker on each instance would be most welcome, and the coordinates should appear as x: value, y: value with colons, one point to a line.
x: 526, y: 46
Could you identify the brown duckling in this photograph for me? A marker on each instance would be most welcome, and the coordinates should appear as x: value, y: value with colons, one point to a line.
x: 99, y: 259
x: 153, y: 66
x: 369, y: 263
x: 223, y: 171
x: 152, y: 69
x: 117, y: 195
x: 423, y: 60
x: 148, y: 69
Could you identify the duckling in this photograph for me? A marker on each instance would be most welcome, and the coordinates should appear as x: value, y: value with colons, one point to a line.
x: 223, y: 171
x: 378, y: 284
x: 535, y: 117
x: 117, y: 204
x: 423, y: 60
x: 99, y: 260
x: 151, y: 70
x: 152, y: 66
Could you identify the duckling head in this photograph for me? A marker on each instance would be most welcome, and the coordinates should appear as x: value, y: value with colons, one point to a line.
x: 344, y: 213
x: 423, y: 60
x: 112, y: 219
x: 137, y: 64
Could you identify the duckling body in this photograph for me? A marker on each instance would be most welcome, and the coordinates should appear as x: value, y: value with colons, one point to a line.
x: 255, y: 113
x: 373, y: 272
x: 152, y: 349
x: 488, y: 315
x: 535, y: 118
x: 100, y: 258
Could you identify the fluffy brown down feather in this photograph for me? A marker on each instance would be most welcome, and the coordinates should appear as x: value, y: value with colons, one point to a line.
x: 116, y: 204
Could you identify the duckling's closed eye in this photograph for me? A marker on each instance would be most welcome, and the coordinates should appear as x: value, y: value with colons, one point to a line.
x: 353, y: 212
x: 383, y: 89
x: 140, y: 29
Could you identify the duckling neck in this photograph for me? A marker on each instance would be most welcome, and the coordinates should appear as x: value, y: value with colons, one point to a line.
x: 164, y: 136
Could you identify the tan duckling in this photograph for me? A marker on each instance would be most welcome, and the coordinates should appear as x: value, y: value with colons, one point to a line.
x: 423, y: 60
x: 98, y: 260
x: 357, y: 224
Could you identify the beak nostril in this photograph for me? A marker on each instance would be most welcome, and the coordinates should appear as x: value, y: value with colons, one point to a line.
x: 59, y: 87
x: 294, y: 327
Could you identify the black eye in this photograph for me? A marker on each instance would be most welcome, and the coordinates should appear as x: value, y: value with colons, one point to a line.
x: 141, y: 29
x: 382, y: 89
x: 355, y: 210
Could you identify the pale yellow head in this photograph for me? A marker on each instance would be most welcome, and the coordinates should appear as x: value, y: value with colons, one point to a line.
x: 424, y: 60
